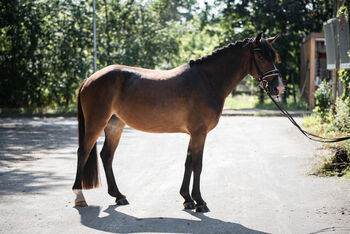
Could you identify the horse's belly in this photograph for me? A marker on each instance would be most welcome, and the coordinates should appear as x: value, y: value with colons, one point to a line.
x: 152, y: 119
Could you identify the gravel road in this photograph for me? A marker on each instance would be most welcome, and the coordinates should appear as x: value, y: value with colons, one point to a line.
x: 256, y: 179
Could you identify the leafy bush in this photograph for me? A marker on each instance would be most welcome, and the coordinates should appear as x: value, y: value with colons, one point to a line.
x: 342, y: 120
x: 323, y: 98
x: 344, y: 76
x: 342, y: 117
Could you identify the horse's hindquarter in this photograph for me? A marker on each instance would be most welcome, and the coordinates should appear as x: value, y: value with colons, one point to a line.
x: 162, y: 101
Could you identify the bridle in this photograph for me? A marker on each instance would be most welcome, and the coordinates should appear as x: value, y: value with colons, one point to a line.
x: 263, y: 83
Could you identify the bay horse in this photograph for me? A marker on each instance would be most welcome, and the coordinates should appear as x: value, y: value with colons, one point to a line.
x: 187, y: 99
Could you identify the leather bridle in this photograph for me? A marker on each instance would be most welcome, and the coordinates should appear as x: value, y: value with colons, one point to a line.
x: 263, y: 83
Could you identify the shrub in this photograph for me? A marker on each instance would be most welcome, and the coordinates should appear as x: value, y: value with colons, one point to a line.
x: 344, y: 76
x: 323, y: 98
x: 342, y: 117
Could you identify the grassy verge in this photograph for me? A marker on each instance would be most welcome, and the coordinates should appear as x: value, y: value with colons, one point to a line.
x: 244, y: 101
x: 42, y: 111
x: 241, y: 101
x: 335, y: 158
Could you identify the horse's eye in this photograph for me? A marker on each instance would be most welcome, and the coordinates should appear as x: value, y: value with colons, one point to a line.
x: 260, y: 57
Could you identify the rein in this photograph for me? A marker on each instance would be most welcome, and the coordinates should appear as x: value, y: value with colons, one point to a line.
x: 263, y: 83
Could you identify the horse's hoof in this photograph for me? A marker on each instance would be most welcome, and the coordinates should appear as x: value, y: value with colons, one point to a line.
x: 122, y: 202
x: 80, y: 203
x: 189, y: 205
x: 202, y: 208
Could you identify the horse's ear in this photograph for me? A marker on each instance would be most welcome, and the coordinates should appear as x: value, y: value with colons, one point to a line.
x: 257, y: 38
x: 272, y: 39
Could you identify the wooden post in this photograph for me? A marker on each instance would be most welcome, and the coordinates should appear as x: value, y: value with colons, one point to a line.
x: 336, y: 5
x: 293, y: 83
x: 334, y: 88
x: 312, y: 72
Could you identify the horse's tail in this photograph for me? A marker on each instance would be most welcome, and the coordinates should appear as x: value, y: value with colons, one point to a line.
x: 90, y: 177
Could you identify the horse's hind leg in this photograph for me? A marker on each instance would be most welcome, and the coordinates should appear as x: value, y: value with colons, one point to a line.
x: 113, y: 132
x: 194, y: 164
x: 87, y: 168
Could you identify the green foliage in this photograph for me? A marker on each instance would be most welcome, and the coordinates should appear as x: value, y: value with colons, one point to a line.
x: 43, y: 51
x: 241, y: 101
x: 46, y: 46
x: 323, y: 98
x: 342, y: 116
x: 344, y: 9
x: 174, y: 10
x: 332, y: 125
x: 344, y: 76
x: 132, y: 34
x: 293, y: 20
x: 244, y: 101
x: 194, y: 43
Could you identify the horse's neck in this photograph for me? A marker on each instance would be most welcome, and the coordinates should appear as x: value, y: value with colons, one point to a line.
x: 227, y: 71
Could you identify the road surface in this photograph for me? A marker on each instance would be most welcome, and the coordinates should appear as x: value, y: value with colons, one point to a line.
x: 256, y: 179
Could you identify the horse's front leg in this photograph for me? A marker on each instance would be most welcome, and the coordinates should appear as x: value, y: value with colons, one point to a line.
x: 185, y: 191
x: 194, y: 163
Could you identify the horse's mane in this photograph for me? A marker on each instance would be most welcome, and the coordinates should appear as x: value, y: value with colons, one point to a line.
x: 220, y: 51
x: 267, y: 50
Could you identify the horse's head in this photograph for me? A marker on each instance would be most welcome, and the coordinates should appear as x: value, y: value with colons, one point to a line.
x: 262, y: 66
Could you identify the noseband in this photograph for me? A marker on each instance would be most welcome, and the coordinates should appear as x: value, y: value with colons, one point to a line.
x: 263, y: 83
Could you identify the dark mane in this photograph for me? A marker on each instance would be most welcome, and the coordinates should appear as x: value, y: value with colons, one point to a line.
x: 267, y: 50
x: 220, y: 51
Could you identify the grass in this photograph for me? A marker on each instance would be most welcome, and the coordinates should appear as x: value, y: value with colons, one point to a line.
x: 327, y: 165
x: 46, y: 111
x: 244, y: 101
x: 241, y: 101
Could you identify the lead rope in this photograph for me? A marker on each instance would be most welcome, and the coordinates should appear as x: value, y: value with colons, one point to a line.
x: 305, y: 133
x: 263, y: 84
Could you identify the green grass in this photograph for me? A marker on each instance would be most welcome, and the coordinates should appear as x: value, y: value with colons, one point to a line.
x: 244, y: 101
x: 347, y: 175
x: 316, y: 125
x: 241, y: 101
x: 70, y: 110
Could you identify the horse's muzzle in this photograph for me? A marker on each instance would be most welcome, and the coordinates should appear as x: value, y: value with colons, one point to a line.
x: 275, y: 86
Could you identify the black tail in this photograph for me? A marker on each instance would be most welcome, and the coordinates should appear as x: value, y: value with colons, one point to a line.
x: 90, y: 173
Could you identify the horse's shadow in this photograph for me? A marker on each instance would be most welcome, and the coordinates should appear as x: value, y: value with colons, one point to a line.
x: 117, y: 222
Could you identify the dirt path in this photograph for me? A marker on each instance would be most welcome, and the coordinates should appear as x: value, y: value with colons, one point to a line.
x: 255, y: 179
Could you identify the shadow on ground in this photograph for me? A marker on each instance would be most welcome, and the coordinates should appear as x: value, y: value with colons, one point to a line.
x: 29, y: 182
x: 118, y: 222
x: 30, y: 139
x: 333, y: 229
x: 25, y: 139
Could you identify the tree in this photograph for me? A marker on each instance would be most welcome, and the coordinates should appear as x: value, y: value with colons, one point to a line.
x: 293, y: 20
x: 46, y: 46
